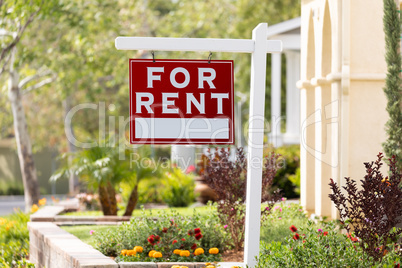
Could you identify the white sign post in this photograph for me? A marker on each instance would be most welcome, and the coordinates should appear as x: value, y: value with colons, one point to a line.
x: 258, y: 46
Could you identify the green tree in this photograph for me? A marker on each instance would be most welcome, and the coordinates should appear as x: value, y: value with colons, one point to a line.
x: 392, y: 89
x: 16, y: 17
x: 100, y: 169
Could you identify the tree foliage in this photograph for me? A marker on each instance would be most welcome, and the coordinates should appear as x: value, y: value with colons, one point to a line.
x: 76, y: 41
x: 393, y: 89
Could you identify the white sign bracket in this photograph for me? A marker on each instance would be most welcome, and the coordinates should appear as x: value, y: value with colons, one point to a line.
x: 258, y: 46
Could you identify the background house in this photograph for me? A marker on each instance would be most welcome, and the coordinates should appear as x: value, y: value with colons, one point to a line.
x: 342, y: 100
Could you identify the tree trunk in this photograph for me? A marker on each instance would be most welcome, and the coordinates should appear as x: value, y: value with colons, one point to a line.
x: 112, y: 198
x: 24, y: 147
x: 73, y: 179
x: 107, y: 198
x: 132, y: 201
x: 104, y: 200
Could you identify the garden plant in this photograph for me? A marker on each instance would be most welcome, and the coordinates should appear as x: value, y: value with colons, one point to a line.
x: 14, y: 238
x: 228, y: 179
x: 321, y: 246
x: 373, y: 212
x: 175, y: 237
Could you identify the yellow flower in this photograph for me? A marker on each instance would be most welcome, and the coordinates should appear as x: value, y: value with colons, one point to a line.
x: 151, y: 253
x: 10, y: 225
x: 123, y: 252
x: 42, y: 202
x: 138, y: 249
x: 131, y: 253
x: 176, y: 251
x: 157, y: 254
x: 213, y: 251
x: 184, y: 253
x: 3, y: 221
x: 34, y: 208
x: 198, y: 251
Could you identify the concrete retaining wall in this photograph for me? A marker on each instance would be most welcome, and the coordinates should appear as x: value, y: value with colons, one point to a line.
x: 51, y: 246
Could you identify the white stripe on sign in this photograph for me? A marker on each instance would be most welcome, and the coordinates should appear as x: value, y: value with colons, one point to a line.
x: 188, y: 128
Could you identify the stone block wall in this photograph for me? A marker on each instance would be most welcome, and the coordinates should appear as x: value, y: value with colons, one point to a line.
x: 51, y: 246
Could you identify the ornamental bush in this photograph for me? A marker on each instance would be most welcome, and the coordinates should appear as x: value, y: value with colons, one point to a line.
x: 228, y: 179
x: 374, y: 211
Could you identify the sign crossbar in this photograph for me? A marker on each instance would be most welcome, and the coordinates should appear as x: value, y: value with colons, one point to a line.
x: 258, y: 46
x: 194, y: 44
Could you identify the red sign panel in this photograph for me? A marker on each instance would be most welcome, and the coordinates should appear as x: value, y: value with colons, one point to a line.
x: 181, y: 101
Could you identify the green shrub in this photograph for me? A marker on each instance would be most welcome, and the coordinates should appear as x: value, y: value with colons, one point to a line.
x: 149, y: 191
x: 275, y: 226
x: 14, y: 240
x: 324, y: 247
x: 178, y: 188
x: 287, y: 178
x: 11, y: 188
x: 110, y: 242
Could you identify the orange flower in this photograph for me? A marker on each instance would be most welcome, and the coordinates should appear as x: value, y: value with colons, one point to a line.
x: 184, y: 253
x: 123, y: 252
x: 157, y: 254
x: 213, y: 251
x: 198, y: 251
x: 34, y: 208
x: 385, y: 180
x: 10, y: 225
x: 138, y: 249
x: 151, y: 253
x: 42, y: 202
x: 176, y: 251
x: 131, y: 253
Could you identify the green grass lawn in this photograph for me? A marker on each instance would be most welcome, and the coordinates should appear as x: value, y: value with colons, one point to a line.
x: 188, y: 211
x: 274, y: 228
x: 83, y: 231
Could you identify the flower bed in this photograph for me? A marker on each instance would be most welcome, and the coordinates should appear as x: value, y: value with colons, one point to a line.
x: 323, y: 247
x: 170, y: 238
x: 50, y: 246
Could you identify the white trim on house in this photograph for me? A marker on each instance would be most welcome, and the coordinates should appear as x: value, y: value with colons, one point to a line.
x: 289, y: 33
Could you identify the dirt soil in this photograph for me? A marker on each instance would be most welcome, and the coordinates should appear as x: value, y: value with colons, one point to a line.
x: 232, y: 256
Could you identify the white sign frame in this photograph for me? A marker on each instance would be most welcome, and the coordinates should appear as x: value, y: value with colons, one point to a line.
x: 258, y: 46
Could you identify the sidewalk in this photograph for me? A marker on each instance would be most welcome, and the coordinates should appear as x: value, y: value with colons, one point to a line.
x: 10, y: 202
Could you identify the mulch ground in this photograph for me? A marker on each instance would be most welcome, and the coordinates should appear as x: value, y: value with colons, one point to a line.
x: 232, y: 256
x: 227, y: 256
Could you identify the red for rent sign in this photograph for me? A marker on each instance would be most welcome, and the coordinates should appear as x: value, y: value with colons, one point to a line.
x: 181, y: 101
